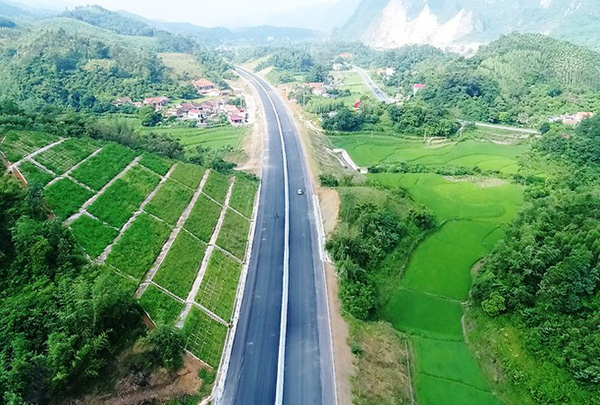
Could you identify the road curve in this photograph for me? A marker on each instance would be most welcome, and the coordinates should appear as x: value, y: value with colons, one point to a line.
x: 380, y: 94
x: 304, y: 359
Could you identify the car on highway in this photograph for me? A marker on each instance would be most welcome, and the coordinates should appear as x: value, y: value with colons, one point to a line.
x: 300, y: 191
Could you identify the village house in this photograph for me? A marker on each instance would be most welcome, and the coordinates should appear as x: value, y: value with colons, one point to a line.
x: 571, y: 119
x: 157, y: 102
x: 316, y: 89
x: 418, y: 87
x: 236, y: 119
x: 203, y: 85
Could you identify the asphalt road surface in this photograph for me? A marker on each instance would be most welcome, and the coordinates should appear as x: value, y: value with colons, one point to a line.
x: 380, y: 94
x: 306, y: 368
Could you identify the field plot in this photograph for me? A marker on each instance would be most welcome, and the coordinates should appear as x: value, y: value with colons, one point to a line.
x: 116, y: 205
x: 155, y: 163
x: 93, y: 235
x: 234, y: 234
x: 65, y: 197
x: 163, y: 309
x: 204, y: 336
x: 18, y: 144
x: 353, y: 82
x: 242, y: 196
x: 34, y: 175
x: 219, y: 285
x: 430, y: 389
x: 170, y: 201
x: 178, y: 272
x: 101, y: 168
x: 368, y: 150
x: 187, y: 174
x: 216, y: 186
x: 62, y: 157
x: 203, y: 218
x: 218, y: 137
x: 139, y: 246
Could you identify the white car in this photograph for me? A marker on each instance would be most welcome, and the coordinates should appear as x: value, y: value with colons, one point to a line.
x: 300, y: 191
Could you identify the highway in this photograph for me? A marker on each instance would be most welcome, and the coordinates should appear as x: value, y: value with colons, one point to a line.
x: 380, y: 94
x: 281, y: 351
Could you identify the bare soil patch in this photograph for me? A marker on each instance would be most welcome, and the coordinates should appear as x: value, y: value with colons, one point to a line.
x: 329, y: 200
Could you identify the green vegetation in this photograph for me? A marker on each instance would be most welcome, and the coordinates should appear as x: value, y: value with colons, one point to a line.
x: 219, y: 285
x: 155, y: 163
x: 170, y: 201
x: 187, y: 174
x: 221, y: 137
x: 242, y: 196
x: 204, y: 337
x: 216, y: 186
x: 104, y: 166
x: 34, y: 175
x: 18, y: 144
x: 63, y: 320
x: 66, y: 198
x: 139, y: 246
x: 93, y: 235
x: 178, y: 272
x: 118, y: 202
x: 67, y: 154
x: 203, y: 218
x: 163, y: 310
x: 234, y: 234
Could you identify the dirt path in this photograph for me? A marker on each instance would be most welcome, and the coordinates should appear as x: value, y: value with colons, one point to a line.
x: 167, y: 246
x: 189, y: 302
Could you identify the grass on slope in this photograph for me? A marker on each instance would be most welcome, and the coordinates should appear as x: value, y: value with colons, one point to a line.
x: 170, y: 201
x: 155, y: 163
x: 187, y: 174
x: 242, y: 196
x: 204, y: 336
x: 163, y: 309
x: 178, y: 272
x: 234, y: 234
x: 93, y: 235
x: 65, y: 197
x: 101, y: 168
x: 116, y: 205
x: 216, y: 186
x: 62, y: 157
x: 219, y: 285
x: 34, y: 175
x: 139, y: 246
x: 18, y: 144
x: 203, y: 218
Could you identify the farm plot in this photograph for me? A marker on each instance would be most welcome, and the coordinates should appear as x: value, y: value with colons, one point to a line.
x: 203, y: 218
x: 219, y: 137
x: 66, y: 197
x: 18, y: 144
x: 62, y: 157
x: 157, y: 164
x: 187, y: 174
x: 116, y: 205
x: 93, y: 235
x: 140, y: 245
x: 101, y: 168
x: 216, y: 186
x: 34, y: 175
x: 219, y: 285
x: 438, y: 275
x: 178, y: 272
x: 234, y: 234
x: 170, y: 201
x: 242, y: 196
x: 204, y: 337
x: 163, y: 309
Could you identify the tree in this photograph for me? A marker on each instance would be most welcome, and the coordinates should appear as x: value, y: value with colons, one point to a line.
x: 149, y: 116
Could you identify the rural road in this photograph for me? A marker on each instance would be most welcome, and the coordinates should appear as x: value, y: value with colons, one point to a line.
x: 380, y: 94
x: 282, y: 356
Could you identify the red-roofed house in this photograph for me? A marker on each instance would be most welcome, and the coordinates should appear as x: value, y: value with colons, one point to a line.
x: 122, y: 101
x: 418, y: 87
x: 316, y: 88
x: 203, y: 85
x: 345, y: 55
x: 235, y: 119
x: 157, y: 102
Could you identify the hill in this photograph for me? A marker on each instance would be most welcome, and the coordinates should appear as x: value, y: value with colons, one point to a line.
x: 103, y: 18
x: 392, y: 23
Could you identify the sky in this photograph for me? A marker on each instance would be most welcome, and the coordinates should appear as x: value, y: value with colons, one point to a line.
x: 231, y: 13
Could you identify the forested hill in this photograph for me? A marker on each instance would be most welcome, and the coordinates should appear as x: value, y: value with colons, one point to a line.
x: 100, y: 17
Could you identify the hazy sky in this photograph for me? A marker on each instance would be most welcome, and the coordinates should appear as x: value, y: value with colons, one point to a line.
x: 201, y: 12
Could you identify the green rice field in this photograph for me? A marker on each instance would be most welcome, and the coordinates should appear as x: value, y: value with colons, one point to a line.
x: 367, y: 149
x: 428, y: 305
